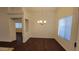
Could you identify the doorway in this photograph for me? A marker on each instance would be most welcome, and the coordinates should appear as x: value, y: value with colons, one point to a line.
x: 18, y: 30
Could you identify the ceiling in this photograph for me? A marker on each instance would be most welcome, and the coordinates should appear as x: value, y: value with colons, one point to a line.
x: 15, y: 10
x: 38, y: 9
x: 19, y: 10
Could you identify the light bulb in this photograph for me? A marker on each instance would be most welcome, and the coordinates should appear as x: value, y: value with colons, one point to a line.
x: 44, y: 21
x: 41, y: 21
x: 38, y: 21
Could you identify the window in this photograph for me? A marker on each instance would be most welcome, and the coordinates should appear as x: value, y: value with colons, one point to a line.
x: 18, y: 25
x: 64, y: 28
x: 61, y: 28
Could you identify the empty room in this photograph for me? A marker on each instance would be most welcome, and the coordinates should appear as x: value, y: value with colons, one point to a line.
x: 39, y: 29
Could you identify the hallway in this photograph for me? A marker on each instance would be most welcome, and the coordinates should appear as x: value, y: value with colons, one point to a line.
x: 40, y: 44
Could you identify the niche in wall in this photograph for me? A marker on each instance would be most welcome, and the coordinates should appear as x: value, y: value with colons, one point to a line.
x: 64, y: 27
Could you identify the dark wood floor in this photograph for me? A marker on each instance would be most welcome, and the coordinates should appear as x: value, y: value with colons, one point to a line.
x: 19, y: 38
x: 39, y: 44
x: 33, y: 44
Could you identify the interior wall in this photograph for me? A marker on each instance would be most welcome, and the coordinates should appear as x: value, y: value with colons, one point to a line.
x: 7, y: 25
x: 26, y: 34
x: 4, y: 28
x: 77, y: 41
x: 12, y: 29
x: 61, y: 12
x: 4, y: 25
x: 47, y: 30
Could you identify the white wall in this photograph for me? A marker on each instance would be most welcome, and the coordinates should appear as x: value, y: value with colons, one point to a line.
x: 4, y: 25
x: 7, y: 26
x: 12, y: 29
x: 77, y: 40
x: 61, y: 12
x: 4, y: 28
x: 42, y: 31
x: 36, y: 30
x: 26, y: 34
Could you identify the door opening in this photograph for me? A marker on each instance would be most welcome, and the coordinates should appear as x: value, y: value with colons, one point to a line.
x: 18, y: 27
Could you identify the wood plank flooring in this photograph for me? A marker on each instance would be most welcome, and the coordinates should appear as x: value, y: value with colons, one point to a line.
x: 40, y: 44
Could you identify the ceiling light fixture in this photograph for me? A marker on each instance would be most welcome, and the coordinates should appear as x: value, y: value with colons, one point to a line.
x: 41, y: 22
